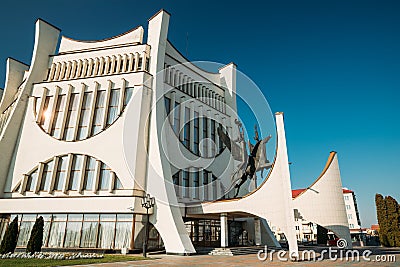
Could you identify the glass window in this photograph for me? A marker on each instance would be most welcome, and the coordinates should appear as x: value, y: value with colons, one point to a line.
x: 31, y: 183
x: 46, y: 176
x: 61, y: 172
x: 196, y: 133
x: 196, y: 183
x: 75, y: 172
x: 220, y: 143
x: 205, y: 184
x: 113, y: 106
x: 205, y: 135
x: 99, y: 112
x: 186, y: 130
x: 84, y: 120
x: 128, y: 95
x: 56, y: 236
x: 118, y: 184
x: 58, y: 116
x: 177, y: 117
x: 167, y: 103
x: 73, y: 234
x: 71, y: 117
x: 25, y: 228
x: 212, y: 130
x: 105, y: 176
x: 106, y: 231
x: 185, y: 181
x: 45, y: 113
x: 89, y: 232
x: 214, y: 185
x: 124, y: 233
x: 175, y: 178
x: 89, y: 174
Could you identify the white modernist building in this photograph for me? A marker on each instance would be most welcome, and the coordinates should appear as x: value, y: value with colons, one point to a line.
x: 88, y: 129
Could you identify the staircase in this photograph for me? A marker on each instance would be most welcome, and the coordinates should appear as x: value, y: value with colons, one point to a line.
x: 234, y: 251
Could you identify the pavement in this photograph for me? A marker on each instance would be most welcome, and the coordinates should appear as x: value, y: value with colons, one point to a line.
x: 375, y: 256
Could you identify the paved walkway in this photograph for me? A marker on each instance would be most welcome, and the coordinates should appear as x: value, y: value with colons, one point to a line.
x: 252, y: 260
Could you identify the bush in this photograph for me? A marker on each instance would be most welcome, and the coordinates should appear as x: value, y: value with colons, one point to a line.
x: 36, y: 238
x: 10, y: 239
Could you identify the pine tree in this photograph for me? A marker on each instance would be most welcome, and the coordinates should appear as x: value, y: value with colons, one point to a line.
x: 10, y: 238
x: 393, y: 230
x: 382, y: 219
x: 36, y: 238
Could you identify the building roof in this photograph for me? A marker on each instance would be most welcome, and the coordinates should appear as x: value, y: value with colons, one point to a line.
x: 296, y: 192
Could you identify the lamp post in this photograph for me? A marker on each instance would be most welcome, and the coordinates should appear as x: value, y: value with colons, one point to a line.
x: 147, y: 203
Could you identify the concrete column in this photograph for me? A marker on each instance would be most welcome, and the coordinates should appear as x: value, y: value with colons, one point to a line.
x: 131, y: 61
x: 73, y: 69
x: 96, y: 176
x: 84, y: 68
x: 201, y: 129
x: 101, y: 66
x: 124, y: 62
x: 89, y: 68
x: 108, y: 93
x: 257, y: 231
x: 52, y: 71
x: 224, y: 230
x: 39, y: 177
x: 121, y: 97
x: 65, y: 113
x: 96, y: 67
x: 53, y: 174
x: 58, y: 70
x: 68, y: 71
x: 79, y: 68
x: 113, y: 62
x: 62, y: 71
x: 83, y: 172
x: 119, y: 62
x: 67, y: 173
x: 136, y: 61
x: 216, y: 133
x: 80, y: 103
x: 112, y: 182
x: 93, y: 105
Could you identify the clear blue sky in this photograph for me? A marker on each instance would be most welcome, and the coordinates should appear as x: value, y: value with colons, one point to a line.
x: 331, y: 66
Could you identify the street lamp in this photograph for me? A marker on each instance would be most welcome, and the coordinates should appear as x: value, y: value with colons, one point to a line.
x: 147, y: 203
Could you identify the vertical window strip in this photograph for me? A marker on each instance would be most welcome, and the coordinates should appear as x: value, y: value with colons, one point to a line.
x: 196, y: 133
x: 90, y: 172
x: 61, y: 173
x: 196, y: 183
x: 46, y: 176
x: 177, y: 117
x: 105, y: 176
x: 213, y: 138
x: 113, y: 106
x: 99, y: 112
x: 58, y: 116
x: 30, y: 185
x: 45, y: 116
x: 185, y: 183
x: 205, y: 136
x: 186, y: 134
x: 71, y: 117
x: 75, y: 174
x: 84, y: 120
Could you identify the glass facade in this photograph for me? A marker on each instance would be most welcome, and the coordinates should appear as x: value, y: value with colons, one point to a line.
x: 108, y: 231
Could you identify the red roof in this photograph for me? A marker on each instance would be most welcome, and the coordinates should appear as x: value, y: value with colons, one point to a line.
x: 297, y: 192
x: 375, y: 227
x: 345, y: 191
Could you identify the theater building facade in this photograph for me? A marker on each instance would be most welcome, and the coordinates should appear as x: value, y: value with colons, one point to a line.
x: 88, y: 128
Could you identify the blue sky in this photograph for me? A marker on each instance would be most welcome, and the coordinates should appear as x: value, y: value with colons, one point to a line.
x: 331, y: 66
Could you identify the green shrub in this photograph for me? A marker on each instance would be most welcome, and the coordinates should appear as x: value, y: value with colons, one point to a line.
x: 10, y: 239
x: 36, y: 238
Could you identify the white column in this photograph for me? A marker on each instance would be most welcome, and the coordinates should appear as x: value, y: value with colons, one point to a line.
x: 121, y: 97
x: 216, y: 133
x: 39, y: 177
x: 58, y: 70
x: 101, y: 66
x: 108, y: 93
x: 89, y: 68
x: 131, y: 61
x: 84, y: 68
x: 52, y: 71
x: 136, y: 61
x: 93, y: 107
x: 67, y: 173
x: 79, y: 68
x: 224, y: 230
x: 79, y: 109
x: 65, y: 113
x: 96, y: 176
x: 201, y: 130
x: 53, y: 174
x: 73, y: 69
x: 124, y: 62
x: 83, y: 172
x: 119, y: 62
x: 113, y: 62
x: 68, y: 70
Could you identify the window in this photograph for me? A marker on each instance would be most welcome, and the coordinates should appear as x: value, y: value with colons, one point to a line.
x: 113, y: 106
x: 83, y: 126
x: 213, y: 138
x: 350, y: 216
x: 89, y: 174
x: 46, y: 176
x: 73, y: 231
x: 147, y: 67
x: 117, y: 184
x: 106, y: 231
x: 89, y: 230
x: 71, y: 117
x: 61, y: 173
x: 220, y: 143
x: 56, y: 236
x: 105, y: 176
x: 214, y: 186
x: 99, y: 112
x: 31, y: 183
x: 167, y: 103
x: 58, y: 116
x: 297, y: 228
x: 348, y: 207
x: 45, y: 113
x: 205, y: 136
x: 196, y: 134
x: 186, y: 130
x: 177, y: 118
x: 185, y: 181
x: 196, y: 182
x: 75, y: 172
x: 140, y: 67
x: 128, y: 95
x: 351, y: 226
x: 205, y: 184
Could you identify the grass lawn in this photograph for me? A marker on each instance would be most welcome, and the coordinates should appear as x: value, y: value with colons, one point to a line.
x: 40, y: 262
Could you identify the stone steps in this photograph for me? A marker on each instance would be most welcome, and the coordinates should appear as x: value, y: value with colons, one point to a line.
x: 236, y: 251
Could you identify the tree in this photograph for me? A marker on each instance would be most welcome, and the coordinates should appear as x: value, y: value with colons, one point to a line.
x: 388, y: 213
x: 10, y: 239
x: 382, y: 219
x: 36, y: 238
